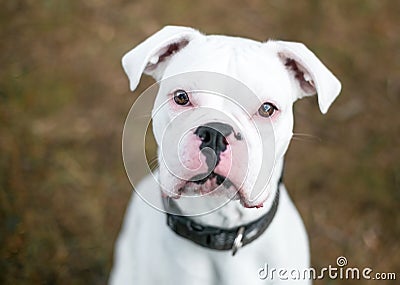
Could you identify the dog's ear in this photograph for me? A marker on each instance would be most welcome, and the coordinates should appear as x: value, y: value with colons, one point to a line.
x: 310, y: 73
x: 152, y: 56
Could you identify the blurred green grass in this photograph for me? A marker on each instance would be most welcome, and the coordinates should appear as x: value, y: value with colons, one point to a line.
x: 64, y: 98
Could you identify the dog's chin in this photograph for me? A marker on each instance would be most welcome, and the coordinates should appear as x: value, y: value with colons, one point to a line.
x: 213, y: 184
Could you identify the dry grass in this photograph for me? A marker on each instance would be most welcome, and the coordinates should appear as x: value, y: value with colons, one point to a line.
x: 64, y: 97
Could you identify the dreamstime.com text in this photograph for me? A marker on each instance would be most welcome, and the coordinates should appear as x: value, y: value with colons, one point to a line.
x: 339, y: 271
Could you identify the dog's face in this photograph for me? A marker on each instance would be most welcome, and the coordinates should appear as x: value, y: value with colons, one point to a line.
x: 223, y: 113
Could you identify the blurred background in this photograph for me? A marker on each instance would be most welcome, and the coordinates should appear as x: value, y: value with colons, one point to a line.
x: 64, y: 99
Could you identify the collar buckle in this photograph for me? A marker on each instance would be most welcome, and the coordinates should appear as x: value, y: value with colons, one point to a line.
x: 238, y: 242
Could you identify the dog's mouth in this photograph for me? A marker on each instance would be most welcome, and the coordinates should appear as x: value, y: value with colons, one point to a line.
x: 211, y: 184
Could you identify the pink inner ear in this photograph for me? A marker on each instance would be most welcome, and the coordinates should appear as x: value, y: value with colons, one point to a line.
x: 300, y: 74
x: 173, y: 48
x: 166, y: 52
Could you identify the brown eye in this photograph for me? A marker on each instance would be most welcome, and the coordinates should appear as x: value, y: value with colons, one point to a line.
x: 267, y: 109
x: 181, y: 97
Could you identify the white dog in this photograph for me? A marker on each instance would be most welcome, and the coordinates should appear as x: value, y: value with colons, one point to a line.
x: 223, y: 121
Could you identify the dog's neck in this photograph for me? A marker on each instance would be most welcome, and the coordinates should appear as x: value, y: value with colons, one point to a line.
x: 233, y: 213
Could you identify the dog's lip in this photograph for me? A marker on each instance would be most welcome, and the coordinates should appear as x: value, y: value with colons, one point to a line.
x: 236, y: 194
x: 201, y: 179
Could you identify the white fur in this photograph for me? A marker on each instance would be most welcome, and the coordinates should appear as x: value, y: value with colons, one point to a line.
x: 147, y: 251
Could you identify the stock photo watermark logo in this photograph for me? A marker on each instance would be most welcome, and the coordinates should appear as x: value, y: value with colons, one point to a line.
x: 340, y: 271
x: 184, y: 111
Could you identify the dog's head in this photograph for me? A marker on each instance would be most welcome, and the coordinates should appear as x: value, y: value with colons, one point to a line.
x: 223, y: 113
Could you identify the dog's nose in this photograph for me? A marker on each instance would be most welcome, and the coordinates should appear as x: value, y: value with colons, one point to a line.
x: 213, y: 136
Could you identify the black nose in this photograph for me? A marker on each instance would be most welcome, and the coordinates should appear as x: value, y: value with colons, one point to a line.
x: 213, y: 136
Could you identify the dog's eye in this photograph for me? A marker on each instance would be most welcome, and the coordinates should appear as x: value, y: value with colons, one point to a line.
x: 181, y: 97
x: 267, y: 109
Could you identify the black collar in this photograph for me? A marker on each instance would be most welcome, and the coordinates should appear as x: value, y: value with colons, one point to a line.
x: 223, y: 238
